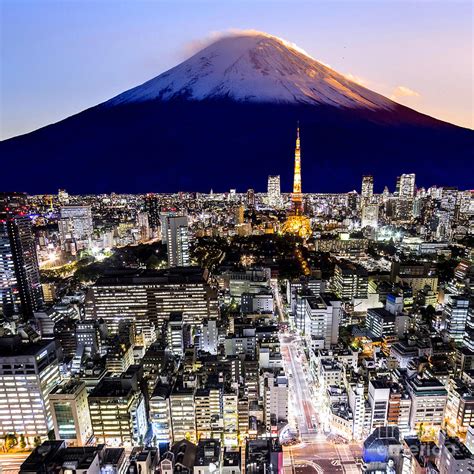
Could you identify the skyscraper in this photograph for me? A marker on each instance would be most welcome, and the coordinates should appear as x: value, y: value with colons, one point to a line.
x: 407, y: 186
x: 251, y: 198
x: 75, y: 226
x: 20, y: 289
x: 273, y: 191
x: 152, y: 207
x: 405, y: 197
x: 177, y: 241
x: 367, y: 190
x: 28, y: 373
x: 239, y: 215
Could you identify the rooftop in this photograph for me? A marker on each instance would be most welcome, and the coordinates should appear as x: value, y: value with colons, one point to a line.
x: 169, y: 276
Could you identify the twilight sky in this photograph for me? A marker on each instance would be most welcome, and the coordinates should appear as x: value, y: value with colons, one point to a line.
x: 60, y: 57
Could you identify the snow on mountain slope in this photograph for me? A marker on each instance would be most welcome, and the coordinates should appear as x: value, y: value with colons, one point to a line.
x: 255, y: 67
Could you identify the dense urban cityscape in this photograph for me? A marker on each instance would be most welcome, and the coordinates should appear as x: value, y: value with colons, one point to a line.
x: 238, y: 332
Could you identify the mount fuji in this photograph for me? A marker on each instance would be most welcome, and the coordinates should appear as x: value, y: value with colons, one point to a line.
x: 226, y: 117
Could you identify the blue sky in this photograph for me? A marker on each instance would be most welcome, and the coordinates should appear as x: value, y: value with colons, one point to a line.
x: 60, y: 57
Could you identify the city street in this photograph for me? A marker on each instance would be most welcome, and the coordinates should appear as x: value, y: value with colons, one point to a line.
x: 314, y: 453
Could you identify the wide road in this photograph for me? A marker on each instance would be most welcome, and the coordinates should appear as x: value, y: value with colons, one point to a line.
x: 314, y: 453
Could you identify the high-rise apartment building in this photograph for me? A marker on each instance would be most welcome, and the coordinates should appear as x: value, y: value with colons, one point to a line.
x: 273, y: 191
x: 208, y: 409
x: 20, y: 288
x: 177, y: 241
x: 230, y: 416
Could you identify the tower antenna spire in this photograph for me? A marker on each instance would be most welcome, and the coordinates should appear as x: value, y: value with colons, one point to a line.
x: 296, y: 196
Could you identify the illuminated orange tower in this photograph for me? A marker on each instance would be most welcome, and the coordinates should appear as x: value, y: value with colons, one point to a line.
x: 297, y: 197
x: 296, y: 223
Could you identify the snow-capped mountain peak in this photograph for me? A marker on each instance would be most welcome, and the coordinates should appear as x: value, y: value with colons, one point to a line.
x: 254, y: 67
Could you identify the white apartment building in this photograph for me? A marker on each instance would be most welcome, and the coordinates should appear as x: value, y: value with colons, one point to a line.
x: 70, y: 410
x: 322, y: 318
x: 275, y: 399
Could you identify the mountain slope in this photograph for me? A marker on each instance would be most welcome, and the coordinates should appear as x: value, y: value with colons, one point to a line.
x: 226, y: 118
x: 255, y: 68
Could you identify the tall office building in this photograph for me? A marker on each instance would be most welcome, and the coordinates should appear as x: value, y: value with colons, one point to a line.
x: 20, y: 289
x: 273, y: 191
x: 367, y: 190
x: 407, y: 186
x: 75, y: 227
x: 428, y: 402
x: 177, y: 241
x: 28, y: 373
x: 350, y: 280
x: 118, y: 412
